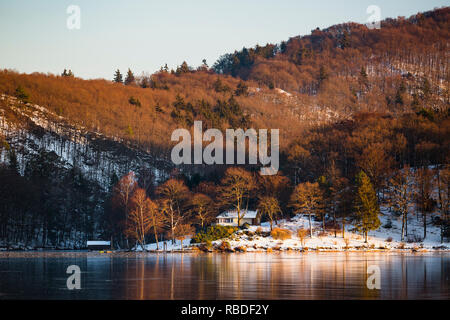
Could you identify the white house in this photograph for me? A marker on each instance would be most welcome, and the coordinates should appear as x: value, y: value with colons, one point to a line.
x: 230, y: 218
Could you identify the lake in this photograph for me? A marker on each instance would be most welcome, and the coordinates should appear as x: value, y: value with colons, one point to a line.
x: 296, y: 276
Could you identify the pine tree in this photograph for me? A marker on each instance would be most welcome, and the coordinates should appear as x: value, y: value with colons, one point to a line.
x: 322, y: 75
x: 242, y: 89
x: 129, y: 79
x: 13, y: 163
x: 184, y: 68
x: 22, y: 95
x: 363, y: 78
x: 118, y: 77
x: 366, y: 205
x: 345, y: 41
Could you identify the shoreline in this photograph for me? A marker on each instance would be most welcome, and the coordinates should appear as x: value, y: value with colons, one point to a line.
x: 75, y: 253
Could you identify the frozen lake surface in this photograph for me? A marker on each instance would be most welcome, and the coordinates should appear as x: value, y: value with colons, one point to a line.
x: 32, y: 275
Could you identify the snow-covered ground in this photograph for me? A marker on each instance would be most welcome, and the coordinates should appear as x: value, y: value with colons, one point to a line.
x: 383, y: 238
x: 169, y: 246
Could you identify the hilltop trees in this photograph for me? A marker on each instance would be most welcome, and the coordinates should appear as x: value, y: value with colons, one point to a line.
x: 130, y: 79
x: 183, y: 68
x: 118, y: 78
x: 67, y: 73
x: 366, y: 206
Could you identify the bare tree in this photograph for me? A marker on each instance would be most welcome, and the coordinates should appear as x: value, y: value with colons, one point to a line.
x: 307, y: 199
x: 122, y: 193
x: 139, y: 220
x: 269, y: 206
x: 173, y: 193
x: 400, y: 196
x: 444, y: 196
x: 237, y: 185
x: 424, y: 189
x: 183, y: 231
x: 203, y: 208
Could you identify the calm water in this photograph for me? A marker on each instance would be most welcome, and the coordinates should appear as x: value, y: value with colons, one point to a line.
x: 225, y: 276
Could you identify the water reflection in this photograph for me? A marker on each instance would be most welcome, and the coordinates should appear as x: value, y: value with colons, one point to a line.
x: 230, y: 276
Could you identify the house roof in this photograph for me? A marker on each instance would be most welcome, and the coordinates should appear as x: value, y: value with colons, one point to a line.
x: 233, y: 214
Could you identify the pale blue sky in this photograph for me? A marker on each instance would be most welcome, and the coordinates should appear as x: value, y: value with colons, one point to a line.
x: 146, y: 34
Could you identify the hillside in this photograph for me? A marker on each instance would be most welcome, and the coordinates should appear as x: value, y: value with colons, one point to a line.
x: 346, y: 99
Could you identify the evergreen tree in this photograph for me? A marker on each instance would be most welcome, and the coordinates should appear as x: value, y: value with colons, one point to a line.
x: 242, y: 89
x: 22, y: 95
x: 363, y: 78
x: 398, y: 98
x: 129, y: 79
x: 118, y: 77
x: 13, y: 163
x: 365, y: 205
x: 67, y: 73
x: 345, y: 41
x: 426, y: 88
x: 184, y: 68
x: 322, y: 75
x: 144, y: 83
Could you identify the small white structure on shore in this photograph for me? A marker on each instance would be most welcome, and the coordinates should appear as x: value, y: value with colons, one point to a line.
x: 98, y: 245
x: 230, y: 218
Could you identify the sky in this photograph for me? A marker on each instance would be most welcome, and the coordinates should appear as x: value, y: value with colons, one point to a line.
x: 144, y: 34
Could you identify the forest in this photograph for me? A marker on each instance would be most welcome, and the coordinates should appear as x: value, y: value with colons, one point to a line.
x: 363, y: 118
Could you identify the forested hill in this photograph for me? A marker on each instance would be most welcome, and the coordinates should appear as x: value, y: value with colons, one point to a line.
x: 329, y: 75
x: 415, y: 47
x: 345, y: 99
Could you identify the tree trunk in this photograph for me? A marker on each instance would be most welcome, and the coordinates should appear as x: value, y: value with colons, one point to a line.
x: 334, y: 219
x: 424, y: 225
x: 343, y: 229
x: 406, y: 222
x: 403, y: 227
x: 156, y: 239
x: 310, y: 226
